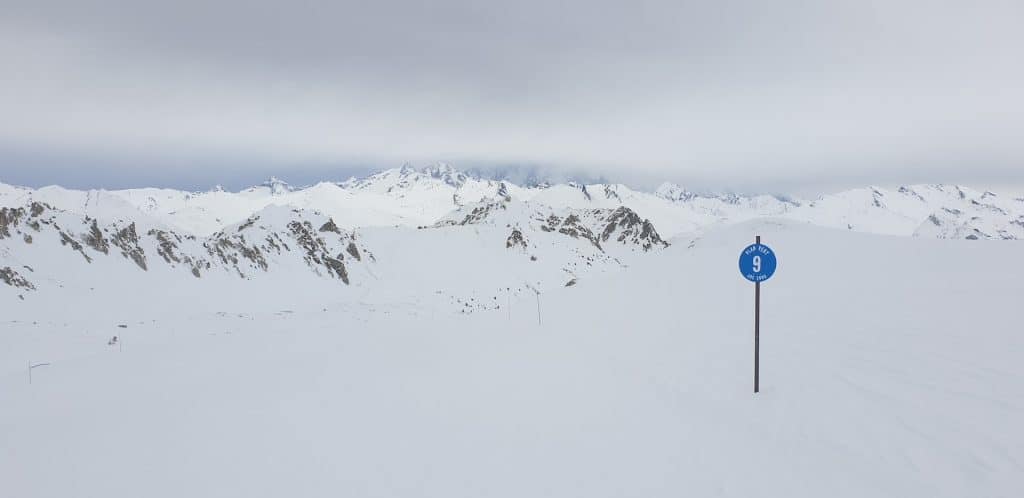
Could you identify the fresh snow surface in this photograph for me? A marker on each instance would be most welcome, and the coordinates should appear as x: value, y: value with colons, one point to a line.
x: 890, y: 367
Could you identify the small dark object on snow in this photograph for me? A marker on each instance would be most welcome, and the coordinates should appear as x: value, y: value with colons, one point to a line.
x: 112, y: 341
x: 123, y: 326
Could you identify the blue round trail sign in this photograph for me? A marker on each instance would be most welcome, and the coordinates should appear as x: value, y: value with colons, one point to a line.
x: 757, y: 262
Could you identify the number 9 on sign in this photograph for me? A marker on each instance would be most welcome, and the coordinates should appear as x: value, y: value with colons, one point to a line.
x: 757, y: 263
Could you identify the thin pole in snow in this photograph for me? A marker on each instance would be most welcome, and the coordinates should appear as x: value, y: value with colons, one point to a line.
x: 757, y: 330
x: 31, y: 366
x: 536, y: 293
x: 538, y: 305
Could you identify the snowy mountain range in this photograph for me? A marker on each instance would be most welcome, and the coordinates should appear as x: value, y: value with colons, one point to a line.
x: 412, y: 197
x: 408, y: 229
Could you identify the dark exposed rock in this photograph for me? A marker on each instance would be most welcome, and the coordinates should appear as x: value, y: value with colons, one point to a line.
x: 95, y: 239
x: 353, y: 251
x: 128, y: 241
x: 571, y: 226
x: 307, y: 239
x: 167, y: 248
x: 503, y: 192
x: 37, y: 208
x: 272, y: 240
x: 9, y: 218
x: 316, y: 250
x: 166, y: 244
x: 478, y: 214
x: 231, y: 252
x: 14, y: 279
x: 330, y: 226
x: 515, y: 239
x: 610, y: 193
x: 337, y: 268
x: 66, y: 240
x: 632, y: 229
x: 248, y: 223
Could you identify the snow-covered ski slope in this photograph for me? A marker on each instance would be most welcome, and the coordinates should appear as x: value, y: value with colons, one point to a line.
x: 891, y: 367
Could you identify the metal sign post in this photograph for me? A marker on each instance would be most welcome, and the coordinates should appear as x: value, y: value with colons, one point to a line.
x: 757, y: 264
x: 757, y: 332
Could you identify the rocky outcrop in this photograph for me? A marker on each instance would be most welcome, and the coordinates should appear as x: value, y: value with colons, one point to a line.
x: 330, y: 226
x: 95, y: 239
x: 167, y: 248
x: 503, y: 193
x: 571, y: 226
x: 9, y: 218
x: 248, y: 223
x: 317, y: 251
x: 234, y: 251
x: 336, y: 267
x: 625, y: 226
x: 68, y: 240
x: 476, y: 215
x: 596, y: 226
x: 515, y: 239
x: 128, y: 241
x: 353, y: 251
x: 11, y: 277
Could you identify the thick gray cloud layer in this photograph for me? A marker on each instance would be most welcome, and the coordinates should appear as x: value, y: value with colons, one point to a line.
x: 738, y: 93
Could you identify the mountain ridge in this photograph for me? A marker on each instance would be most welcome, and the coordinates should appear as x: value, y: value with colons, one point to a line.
x: 411, y: 196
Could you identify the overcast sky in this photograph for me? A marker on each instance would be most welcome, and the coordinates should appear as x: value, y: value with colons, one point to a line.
x: 745, y: 95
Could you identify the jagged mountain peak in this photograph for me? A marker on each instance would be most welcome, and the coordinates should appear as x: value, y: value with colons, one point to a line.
x: 673, y: 192
x: 277, y: 186
x: 446, y: 173
x: 408, y: 176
